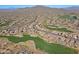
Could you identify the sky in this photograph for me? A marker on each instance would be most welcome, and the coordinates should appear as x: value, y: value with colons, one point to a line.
x: 23, y: 6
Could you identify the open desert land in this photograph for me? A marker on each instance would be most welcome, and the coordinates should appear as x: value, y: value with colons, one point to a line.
x: 39, y: 30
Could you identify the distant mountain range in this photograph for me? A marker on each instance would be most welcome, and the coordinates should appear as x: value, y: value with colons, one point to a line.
x: 72, y: 8
x: 44, y: 7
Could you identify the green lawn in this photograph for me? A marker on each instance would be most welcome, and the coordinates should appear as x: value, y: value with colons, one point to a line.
x: 69, y: 17
x: 57, y: 28
x: 43, y: 45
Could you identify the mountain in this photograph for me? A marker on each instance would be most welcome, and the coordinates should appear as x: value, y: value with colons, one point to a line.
x: 72, y: 8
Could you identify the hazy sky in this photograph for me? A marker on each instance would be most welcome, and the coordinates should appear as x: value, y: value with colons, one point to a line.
x: 23, y: 6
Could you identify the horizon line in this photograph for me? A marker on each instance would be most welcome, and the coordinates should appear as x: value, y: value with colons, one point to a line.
x: 29, y: 6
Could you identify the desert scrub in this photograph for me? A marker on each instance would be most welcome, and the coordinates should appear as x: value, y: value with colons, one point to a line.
x: 43, y: 45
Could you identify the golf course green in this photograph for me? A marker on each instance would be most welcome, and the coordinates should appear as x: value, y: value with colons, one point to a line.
x: 57, y: 28
x: 50, y: 48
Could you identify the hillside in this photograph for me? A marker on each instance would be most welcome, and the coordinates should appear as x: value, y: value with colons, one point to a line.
x: 53, y: 25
